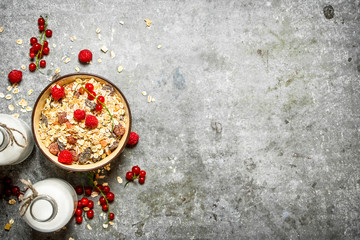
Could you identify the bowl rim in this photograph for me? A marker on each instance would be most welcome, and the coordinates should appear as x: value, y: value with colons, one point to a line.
x: 68, y: 167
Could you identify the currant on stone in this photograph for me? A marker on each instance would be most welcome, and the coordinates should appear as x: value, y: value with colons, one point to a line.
x: 141, y: 180
x: 78, y: 212
x: 111, y: 216
x: 142, y: 173
x: 90, y: 214
x: 78, y: 219
x: 135, y: 170
x: 106, y: 189
x: 79, y: 190
x: 84, y: 202
x: 110, y: 196
x: 88, y: 191
x: 90, y: 204
x: 32, y: 67
x: 33, y: 40
x: 42, y: 63
x: 102, y: 200
x: 48, y: 33
x: 105, y: 207
x: 129, y: 176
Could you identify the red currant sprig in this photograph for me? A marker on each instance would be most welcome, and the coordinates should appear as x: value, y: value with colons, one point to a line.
x: 136, y: 173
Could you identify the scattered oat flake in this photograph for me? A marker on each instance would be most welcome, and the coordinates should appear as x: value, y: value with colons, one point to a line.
x: 54, y: 45
x: 119, y: 179
x: 23, y: 110
x: 62, y: 59
x: 105, y: 225
x: 15, y: 85
x: 77, y: 69
x: 28, y: 109
x: 149, y: 98
x: 9, y: 88
x: 159, y: 46
x: 104, y: 49
x: 120, y: 68
x: 2, y: 95
x: 111, y: 223
x: 89, y: 227
x: 102, y: 176
x: 11, y: 107
x: 70, y: 238
x: 73, y: 38
x: 98, y: 30
x: 23, y: 103
x: 8, y: 97
x: 99, y: 37
x: 121, y: 22
x: 101, y: 214
x: 16, y: 115
x: 1, y: 29
x: 11, y: 221
x: 144, y: 93
x: 23, y: 67
x: 19, y: 41
x: 12, y: 201
x: 67, y: 60
x: 57, y: 70
x: 112, y: 54
x: 105, y: 184
x: 152, y: 99
x: 94, y: 194
x: 99, y: 60
x: 86, y: 209
x: 7, y: 226
x: 30, y: 92
x: 148, y: 22
x: 15, y: 91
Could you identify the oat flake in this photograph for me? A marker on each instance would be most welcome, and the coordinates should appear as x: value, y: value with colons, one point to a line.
x: 19, y: 41
x: 12, y: 202
x: 144, y: 93
x: 159, y: 46
x: 57, y: 70
x: 23, y: 67
x: 120, y: 68
x: 112, y: 54
x: 15, y: 91
x: 1, y: 29
x: 11, y: 107
x: 99, y: 60
x: 2, y: 95
x: 104, y: 49
x: 77, y: 69
x: 121, y: 22
x: 16, y: 115
x: 119, y: 179
x: 28, y: 109
x: 30, y: 92
x: 9, y: 88
x: 11, y: 221
x: 8, y: 97
x: 98, y: 30
x: 105, y: 225
x: 148, y: 22
x: 89, y: 227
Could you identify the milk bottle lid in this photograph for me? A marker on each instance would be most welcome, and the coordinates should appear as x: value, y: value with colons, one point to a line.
x: 43, y: 208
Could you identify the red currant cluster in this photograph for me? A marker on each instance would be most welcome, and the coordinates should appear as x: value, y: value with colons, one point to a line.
x: 88, y: 205
x: 136, y: 173
x: 41, y: 47
x: 10, y: 190
x: 92, y: 95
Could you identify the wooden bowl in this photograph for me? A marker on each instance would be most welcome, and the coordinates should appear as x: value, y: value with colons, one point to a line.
x: 40, y: 102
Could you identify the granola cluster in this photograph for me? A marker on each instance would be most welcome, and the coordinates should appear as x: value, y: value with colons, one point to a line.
x: 59, y: 130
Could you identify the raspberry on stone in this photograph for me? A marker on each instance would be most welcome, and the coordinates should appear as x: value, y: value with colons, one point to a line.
x: 91, y: 121
x: 65, y: 157
x: 15, y: 76
x: 57, y: 92
x: 85, y: 56
x: 133, y: 139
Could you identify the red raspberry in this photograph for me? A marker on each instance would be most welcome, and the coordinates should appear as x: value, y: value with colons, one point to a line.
x: 65, y: 157
x: 57, y: 92
x: 133, y: 139
x: 15, y: 76
x: 79, y: 115
x: 85, y: 56
x: 91, y: 121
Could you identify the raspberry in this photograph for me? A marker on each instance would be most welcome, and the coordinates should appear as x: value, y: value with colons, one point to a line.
x: 91, y: 121
x: 79, y: 115
x: 15, y: 76
x: 65, y: 157
x: 57, y: 92
x: 133, y: 139
x: 85, y: 56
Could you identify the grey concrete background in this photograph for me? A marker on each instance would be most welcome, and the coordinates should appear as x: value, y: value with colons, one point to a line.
x: 255, y: 130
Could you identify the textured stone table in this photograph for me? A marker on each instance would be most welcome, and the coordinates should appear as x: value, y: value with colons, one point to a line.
x: 254, y: 133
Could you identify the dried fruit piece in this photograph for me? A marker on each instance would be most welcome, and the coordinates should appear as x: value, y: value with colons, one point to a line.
x: 62, y: 117
x: 148, y: 22
x: 54, y: 148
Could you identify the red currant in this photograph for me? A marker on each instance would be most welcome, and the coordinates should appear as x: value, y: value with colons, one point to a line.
x: 142, y: 173
x: 32, y: 55
x: 110, y: 196
x: 8, y: 192
x: 89, y: 87
x: 32, y: 67
x: 90, y: 214
x: 7, y: 181
x: 101, y: 99
x: 129, y: 176
x: 46, y: 44
x: 105, y: 207
x: 81, y: 91
x: 106, y: 189
x: 80, y: 205
x: 33, y: 40
x: 79, y: 190
x: 98, y: 107
x: 37, y: 47
x: 42, y: 63
x: 41, y: 28
x: 93, y: 95
x: 99, y: 186
x: 46, y: 50
x: 111, y: 216
x: 48, y: 33
x: 84, y: 202
x: 136, y: 170
x: 102, y: 200
x: 78, y: 212
x: 41, y: 21
x: 141, y: 180
x: 15, y: 190
x: 88, y: 191
x: 33, y: 50
x: 78, y: 219
x: 90, y: 204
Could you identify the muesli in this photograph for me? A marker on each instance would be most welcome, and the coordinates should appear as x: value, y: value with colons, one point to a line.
x: 86, y: 118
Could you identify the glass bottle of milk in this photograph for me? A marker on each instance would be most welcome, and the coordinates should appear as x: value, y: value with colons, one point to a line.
x: 16, y: 140
x: 52, y: 207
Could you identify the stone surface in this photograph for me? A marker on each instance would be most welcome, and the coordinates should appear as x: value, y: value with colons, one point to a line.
x: 254, y: 133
